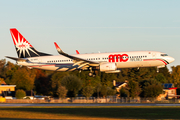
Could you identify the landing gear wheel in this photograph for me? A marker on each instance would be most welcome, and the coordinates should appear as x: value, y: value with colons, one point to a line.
x: 90, y: 74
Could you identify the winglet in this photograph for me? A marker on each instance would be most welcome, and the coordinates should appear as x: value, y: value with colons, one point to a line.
x: 77, y: 51
x: 58, y: 48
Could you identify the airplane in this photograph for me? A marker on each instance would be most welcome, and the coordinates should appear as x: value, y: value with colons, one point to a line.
x: 110, y: 62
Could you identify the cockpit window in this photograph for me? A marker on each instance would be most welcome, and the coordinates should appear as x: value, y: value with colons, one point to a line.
x: 164, y: 55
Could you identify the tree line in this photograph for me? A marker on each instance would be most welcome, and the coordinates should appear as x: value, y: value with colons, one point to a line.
x: 143, y: 82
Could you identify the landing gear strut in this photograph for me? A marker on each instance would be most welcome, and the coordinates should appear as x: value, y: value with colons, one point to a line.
x: 91, y: 73
x: 157, y: 70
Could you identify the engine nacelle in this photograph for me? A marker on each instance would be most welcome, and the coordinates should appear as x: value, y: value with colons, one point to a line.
x: 108, y: 67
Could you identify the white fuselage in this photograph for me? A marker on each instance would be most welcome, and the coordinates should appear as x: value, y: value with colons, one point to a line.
x: 122, y: 60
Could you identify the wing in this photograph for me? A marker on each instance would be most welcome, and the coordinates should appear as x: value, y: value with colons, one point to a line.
x: 82, y: 63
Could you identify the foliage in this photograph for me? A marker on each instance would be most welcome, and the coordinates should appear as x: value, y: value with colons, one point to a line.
x: 97, y: 89
x: 175, y: 75
x: 161, y: 78
x: 61, y: 92
x: 23, y: 78
x: 88, y: 91
x: 56, y: 78
x: 110, y: 91
x: 103, y: 91
x: 134, y: 89
x: 42, y: 83
x: 106, y: 79
x: 1, y: 80
x: 166, y: 73
x: 152, y: 88
x: 20, y: 94
x: 2, y: 68
x: 106, y: 91
x: 124, y: 92
x: 73, y: 84
x: 86, y: 80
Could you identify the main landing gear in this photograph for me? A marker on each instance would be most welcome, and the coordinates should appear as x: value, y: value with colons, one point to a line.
x: 92, y: 73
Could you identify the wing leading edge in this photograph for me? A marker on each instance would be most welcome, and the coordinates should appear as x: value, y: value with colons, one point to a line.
x: 82, y: 63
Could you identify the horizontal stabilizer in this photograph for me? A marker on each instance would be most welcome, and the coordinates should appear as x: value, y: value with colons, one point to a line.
x: 17, y: 59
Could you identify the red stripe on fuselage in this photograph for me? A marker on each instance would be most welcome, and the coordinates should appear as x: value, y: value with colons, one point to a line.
x: 155, y: 59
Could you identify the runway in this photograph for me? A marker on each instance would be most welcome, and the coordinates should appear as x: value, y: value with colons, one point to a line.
x: 82, y: 104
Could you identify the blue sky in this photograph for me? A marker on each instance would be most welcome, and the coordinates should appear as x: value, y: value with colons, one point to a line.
x: 93, y: 25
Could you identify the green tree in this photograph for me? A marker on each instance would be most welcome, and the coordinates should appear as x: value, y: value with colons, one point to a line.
x: 161, y: 78
x: 9, y: 71
x: 61, y: 92
x: 106, y: 78
x: 2, y: 68
x: 103, y: 91
x: 86, y: 80
x: 165, y: 72
x: 152, y: 88
x: 73, y: 84
x: 88, y: 91
x: 110, y: 91
x: 124, y: 92
x: 24, y: 78
x: 56, y: 79
x: 175, y: 75
x: 106, y: 90
x: 20, y: 94
x: 134, y: 89
x: 98, y: 89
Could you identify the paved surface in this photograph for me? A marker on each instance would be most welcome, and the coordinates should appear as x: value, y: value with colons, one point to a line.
x: 77, y: 104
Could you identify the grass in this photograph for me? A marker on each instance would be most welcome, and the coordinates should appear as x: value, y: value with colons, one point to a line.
x: 20, y: 113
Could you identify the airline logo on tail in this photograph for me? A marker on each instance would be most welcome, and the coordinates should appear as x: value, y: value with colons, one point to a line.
x: 23, y: 47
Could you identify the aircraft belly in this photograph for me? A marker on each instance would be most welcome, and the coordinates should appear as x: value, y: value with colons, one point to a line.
x: 152, y: 63
x: 126, y: 64
x: 56, y: 67
x: 139, y: 64
x: 46, y: 67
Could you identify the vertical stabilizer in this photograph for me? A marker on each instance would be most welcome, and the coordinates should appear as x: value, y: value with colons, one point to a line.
x: 23, y: 48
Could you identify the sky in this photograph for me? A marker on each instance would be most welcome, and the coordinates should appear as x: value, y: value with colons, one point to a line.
x: 92, y: 26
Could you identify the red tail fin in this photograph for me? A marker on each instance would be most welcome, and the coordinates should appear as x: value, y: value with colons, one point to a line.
x: 23, y: 48
x: 18, y: 39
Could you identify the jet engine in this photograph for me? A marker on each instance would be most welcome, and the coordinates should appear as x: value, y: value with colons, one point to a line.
x: 108, y: 67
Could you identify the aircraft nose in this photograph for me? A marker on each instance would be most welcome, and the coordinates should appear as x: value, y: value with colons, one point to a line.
x: 171, y: 59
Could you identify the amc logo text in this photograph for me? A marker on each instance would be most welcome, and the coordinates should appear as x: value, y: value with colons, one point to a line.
x: 118, y: 58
